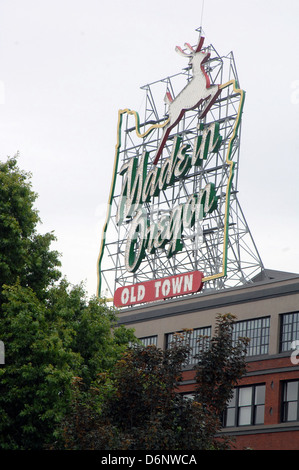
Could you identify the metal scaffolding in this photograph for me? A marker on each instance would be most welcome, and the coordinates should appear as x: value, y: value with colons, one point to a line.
x: 220, y: 245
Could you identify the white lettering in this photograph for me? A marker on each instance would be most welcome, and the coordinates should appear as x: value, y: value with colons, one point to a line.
x: 148, y: 236
x: 112, y: 460
x: 175, y: 230
x: 125, y: 296
x: 166, y: 287
x: 139, y: 186
x: 133, y: 297
x: 177, y: 284
x: 134, y: 252
x: 140, y: 292
x: 157, y: 288
x: 170, y: 459
x: 188, y: 282
x: 209, y: 141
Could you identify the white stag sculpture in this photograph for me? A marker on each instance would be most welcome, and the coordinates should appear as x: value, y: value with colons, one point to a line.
x: 198, y: 90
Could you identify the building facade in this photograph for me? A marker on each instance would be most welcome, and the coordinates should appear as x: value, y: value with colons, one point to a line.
x: 176, y: 249
x: 264, y: 412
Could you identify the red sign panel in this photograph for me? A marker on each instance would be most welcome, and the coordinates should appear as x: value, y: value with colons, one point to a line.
x: 159, y: 289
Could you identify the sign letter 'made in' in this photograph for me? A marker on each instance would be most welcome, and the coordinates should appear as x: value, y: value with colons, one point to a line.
x: 139, y: 186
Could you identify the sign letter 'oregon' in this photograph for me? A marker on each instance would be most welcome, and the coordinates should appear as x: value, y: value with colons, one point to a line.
x: 160, y: 225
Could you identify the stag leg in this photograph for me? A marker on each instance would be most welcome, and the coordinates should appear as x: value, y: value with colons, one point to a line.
x: 168, y: 98
x: 209, y: 101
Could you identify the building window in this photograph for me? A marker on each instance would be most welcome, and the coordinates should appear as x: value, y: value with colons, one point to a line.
x: 290, y: 401
x: 149, y: 340
x: 257, y: 330
x: 246, y: 407
x: 289, y: 330
x: 198, y: 339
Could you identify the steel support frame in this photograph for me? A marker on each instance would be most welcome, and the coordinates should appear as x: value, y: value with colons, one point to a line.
x: 203, y: 246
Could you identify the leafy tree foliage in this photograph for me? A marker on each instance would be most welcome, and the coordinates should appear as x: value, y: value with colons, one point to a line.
x: 39, y: 365
x: 52, y: 332
x: 138, y: 406
x: 44, y: 351
x: 25, y: 255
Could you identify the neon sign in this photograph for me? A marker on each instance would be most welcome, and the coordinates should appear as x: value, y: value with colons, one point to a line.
x: 159, y: 289
x: 150, y: 234
x: 139, y: 187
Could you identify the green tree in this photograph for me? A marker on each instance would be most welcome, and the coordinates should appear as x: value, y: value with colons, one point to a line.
x: 218, y: 371
x: 39, y: 366
x: 47, y: 344
x: 25, y: 255
x: 92, y: 325
x: 52, y: 332
x: 139, y: 406
x: 129, y: 408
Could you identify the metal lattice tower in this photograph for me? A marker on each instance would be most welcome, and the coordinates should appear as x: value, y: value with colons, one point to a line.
x: 221, y: 245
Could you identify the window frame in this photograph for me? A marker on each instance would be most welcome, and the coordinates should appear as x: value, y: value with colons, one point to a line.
x: 292, y: 331
x: 149, y: 340
x: 259, y: 341
x: 205, y: 331
x: 252, y: 405
x: 285, y: 403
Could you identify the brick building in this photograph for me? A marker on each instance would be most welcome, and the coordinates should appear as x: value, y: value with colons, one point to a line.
x: 174, y: 214
x: 264, y: 412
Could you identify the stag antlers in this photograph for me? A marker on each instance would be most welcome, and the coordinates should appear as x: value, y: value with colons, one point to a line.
x: 180, y: 51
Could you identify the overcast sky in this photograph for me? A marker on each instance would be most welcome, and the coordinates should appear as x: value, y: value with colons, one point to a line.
x: 68, y: 66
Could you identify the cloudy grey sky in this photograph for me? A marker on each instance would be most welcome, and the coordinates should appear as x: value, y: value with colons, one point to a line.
x: 67, y: 66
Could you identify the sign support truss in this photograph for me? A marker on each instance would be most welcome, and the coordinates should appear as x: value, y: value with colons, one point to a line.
x: 220, y: 244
